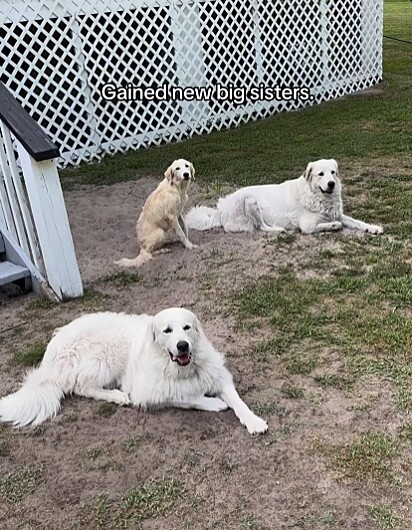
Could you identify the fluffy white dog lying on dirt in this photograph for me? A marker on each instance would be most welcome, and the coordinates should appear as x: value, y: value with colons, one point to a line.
x: 311, y: 203
x: 162, y: 212
x: 160, y: 361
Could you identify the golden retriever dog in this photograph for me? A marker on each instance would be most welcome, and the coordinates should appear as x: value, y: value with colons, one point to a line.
x: 162, y: 212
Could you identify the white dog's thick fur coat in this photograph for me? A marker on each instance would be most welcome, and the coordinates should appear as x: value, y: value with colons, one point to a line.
x: 159, y: 361
x: 311, y: 203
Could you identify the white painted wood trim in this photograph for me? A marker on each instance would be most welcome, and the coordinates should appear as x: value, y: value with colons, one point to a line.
x: 29, y: 241
x: 52, y: 225
x: 6, y: 216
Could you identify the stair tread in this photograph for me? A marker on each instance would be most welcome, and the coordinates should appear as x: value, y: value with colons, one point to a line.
x: 9, y: 272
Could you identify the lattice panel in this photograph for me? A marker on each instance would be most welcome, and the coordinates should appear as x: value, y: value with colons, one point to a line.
x: 56, y: 55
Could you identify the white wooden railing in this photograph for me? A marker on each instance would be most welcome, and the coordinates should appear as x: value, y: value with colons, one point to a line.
x: 32, y: 208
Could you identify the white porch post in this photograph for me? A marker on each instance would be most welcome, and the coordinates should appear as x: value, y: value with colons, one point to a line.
x: 52, y: 225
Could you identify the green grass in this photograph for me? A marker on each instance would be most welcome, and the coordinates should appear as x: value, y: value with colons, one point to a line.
x: 302, y: 364
x: 384, y: 517
x: 130, y: 444
x: 334, y: 381
x: 361, y: 306
x: 264, y: 409
x: 21, y: 483
x: 107, y: 409
x: 41, y: 303
x: 92, y: 299
x: 282, y: 240
x: 92, y: 453
x: 247, y: 522
x: 31, y: 356
x: 373, y: 128
x: 286, y: 302
x: 292, y: 392
x: 368, y: 458
x: 405, y: 431
x: 153, y: 499
x: 4, y: 447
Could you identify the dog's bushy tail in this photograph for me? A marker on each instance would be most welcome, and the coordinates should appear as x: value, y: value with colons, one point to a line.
x: 37, y: 400
x: 203, y: 218
x: 142, y: 258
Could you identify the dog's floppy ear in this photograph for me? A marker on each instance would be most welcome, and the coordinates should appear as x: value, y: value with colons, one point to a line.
x: 203, y: 343
x: 192, y: 170
x: 150, y: 334
x: 169, y: 173
x: 308, y: 172
x: 198, y: 326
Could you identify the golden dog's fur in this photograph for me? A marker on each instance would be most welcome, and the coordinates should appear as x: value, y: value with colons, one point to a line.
x: 163, y: 212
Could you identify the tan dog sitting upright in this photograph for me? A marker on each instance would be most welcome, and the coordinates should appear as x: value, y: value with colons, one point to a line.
x: 163, y: 212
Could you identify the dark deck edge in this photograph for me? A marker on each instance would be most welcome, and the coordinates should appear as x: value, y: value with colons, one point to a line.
x: 27, y: 131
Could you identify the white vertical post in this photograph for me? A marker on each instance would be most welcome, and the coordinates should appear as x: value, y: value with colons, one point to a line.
x: 260, y: 72
x: 7, y: 215
x: 186, y: 28
x: 372, y: 14
x: 26, y: 232
x: 94, y: 138
x: 3, y: 222
x: 52, y: 225
x: 324, y: 82
x: 259, y: 58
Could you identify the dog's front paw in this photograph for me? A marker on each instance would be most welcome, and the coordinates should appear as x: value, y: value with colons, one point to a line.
x: 374, y: 229
x: 336, y: 225
x: 190, y: 245
x: 256, y: 425
x: 126, y: 262
x: 120, y: 398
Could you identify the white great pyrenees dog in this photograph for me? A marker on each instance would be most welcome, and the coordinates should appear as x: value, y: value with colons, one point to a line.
x: 155, y: 361
x: 311, y: 203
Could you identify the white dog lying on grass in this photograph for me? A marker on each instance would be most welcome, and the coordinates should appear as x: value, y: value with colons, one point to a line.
x: 311, y: 203
x: 160, y: 361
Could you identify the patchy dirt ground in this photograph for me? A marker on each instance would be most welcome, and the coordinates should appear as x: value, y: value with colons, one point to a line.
x: 98, y: 466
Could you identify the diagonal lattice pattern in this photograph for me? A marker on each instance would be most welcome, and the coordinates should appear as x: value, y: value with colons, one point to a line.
x: 55, y: 55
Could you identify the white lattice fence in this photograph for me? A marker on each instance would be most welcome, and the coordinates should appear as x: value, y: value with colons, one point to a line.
x: 56, y: 55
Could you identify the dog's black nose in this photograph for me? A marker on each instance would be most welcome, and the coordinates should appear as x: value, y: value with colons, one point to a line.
x: 182, y: 346
x: 331, y: 184
x: 186, y: 175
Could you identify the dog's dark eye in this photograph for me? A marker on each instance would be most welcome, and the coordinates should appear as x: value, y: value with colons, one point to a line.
x: 321, y: 174
x: 186, y: 165
x: 177, y: 169
x: 333, y: 172
x: 187, y: 327
x: 167, y: 330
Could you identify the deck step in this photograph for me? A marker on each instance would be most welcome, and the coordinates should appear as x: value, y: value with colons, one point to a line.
x: 9, y: 272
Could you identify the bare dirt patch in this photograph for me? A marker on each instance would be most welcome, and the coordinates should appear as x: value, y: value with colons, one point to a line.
x: 79, y: 470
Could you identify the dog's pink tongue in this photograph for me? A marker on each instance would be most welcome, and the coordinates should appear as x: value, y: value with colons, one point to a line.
x: 175, y: 357
x: 183, y: 359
